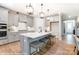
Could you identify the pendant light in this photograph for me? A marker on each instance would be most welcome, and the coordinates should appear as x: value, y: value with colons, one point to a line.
x: 48, y: 16
x: 41, y: 14
x: 30, y: 9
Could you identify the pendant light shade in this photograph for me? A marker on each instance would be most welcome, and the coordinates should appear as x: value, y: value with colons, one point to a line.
x: 30, y: 9
x: 41, y: 14
x: 48, y: 16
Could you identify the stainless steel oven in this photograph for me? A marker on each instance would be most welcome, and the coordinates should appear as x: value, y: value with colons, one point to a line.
x: 3, y: 30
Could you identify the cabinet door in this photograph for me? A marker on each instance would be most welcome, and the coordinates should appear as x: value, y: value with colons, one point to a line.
x: 16, y: 36
x: 22, y: 18
x: 16, y: 20
x: 27, y: 19
x: 10, y: 37
x: 13, y: 37
x: 13, y: 19
x: 54, y: 28
x: 3, y: 41
x: 54, y: 18
x: 30, y: 21
x: 3, y: 15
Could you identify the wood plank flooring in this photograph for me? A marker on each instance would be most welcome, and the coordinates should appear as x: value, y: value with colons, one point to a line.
x: 58, y: 48
x: 10, y: 48
x: 61, y: 48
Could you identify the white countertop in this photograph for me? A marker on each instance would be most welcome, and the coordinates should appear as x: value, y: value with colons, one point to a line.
x: 35, y: 34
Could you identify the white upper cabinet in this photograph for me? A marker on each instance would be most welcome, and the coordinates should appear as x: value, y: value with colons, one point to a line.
x: 13, y: 18
x: 54, y: 18
x: 22, y: 18
x: 30, y: 20
x: 3, y: 15
x: 27, y: 19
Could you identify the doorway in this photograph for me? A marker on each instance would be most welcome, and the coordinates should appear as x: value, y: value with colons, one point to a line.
x: 69, y: 27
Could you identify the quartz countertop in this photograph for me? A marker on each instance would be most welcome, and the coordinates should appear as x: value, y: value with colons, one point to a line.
x: 35, y: 34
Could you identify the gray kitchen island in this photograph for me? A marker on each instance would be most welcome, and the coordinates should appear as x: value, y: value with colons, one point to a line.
x: 27, y: 38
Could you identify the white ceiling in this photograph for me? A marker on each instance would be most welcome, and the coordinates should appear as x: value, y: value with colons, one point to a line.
x: 68, y: 8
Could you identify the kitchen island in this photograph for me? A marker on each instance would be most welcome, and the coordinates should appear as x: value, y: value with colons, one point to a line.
x: 27, y: 38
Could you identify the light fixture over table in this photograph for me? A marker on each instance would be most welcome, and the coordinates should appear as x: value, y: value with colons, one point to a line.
x: 30, y: 9
x: 48, y: 15
x: 41, y: 14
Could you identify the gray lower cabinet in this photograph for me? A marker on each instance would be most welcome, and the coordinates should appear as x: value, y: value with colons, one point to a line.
x: 3, y: 41
x: 13, y: 37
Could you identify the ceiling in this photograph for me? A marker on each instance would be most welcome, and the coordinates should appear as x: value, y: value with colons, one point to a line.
x: 67, y: 8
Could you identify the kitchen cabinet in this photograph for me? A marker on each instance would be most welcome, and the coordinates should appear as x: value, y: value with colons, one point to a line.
x: 27, y: 38
x: 3, y: 41
x: 54, y: 19
x: 22, y: 18
x: 30, y: 20
x: 13, y: 36
x: 3, y: 19
x: 54, y: 28
x: 13, y: 18
x: 3, y: 15
x: 27, y: 19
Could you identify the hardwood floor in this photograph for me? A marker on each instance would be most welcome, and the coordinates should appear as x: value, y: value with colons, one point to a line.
x: 11, y: 48
x: 61, y: 48
x: 58, y: 48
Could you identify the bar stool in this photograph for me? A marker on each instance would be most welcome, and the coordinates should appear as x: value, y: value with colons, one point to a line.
x: 52, y: 39
x: 45, y: 39
x: 45, y: 45
x: 47, y: 42
x: 37, y: 45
